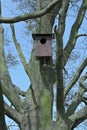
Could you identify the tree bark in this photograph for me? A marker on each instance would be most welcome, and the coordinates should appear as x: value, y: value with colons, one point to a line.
x: 2, y: 118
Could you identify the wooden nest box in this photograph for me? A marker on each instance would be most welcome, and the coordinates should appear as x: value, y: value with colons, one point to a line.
x: 43, y: 46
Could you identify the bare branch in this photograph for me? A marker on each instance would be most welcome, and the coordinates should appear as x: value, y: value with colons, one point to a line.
x: 59, y: 55
x: 81, y: 82
x: 81, y: 35
x: 2, y: 118
x: 13, y: 114
x: 31, y: 15
x: 5, y: 78
x: 77, y: 100
x: 18, y: 48
x: 78, y: 97
x: 79, y: 116
x: 76, y: 76
x: 74, y: 31
x: 11, y: 95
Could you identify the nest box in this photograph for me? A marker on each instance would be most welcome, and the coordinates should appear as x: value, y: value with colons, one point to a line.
x: 43, y: 45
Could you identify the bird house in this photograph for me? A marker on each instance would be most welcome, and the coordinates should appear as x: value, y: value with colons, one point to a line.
x: 43, y: 45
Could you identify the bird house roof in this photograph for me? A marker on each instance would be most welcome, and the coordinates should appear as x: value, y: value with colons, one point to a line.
x: 51, y: 35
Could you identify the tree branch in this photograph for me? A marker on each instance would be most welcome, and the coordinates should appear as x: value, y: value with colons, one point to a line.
x: 74, y: 31
x: 19, y: 48
x: 2, y: 117
x: 5, y: 78
x: 59, y: 55
x: 31, y: 15
x: 13, y: 114
x: 81, y: 35
x: 78, y: 97
x: 11, y: 95
x: 79, y: 117
x: 81, y: 82
x: 77, y: 100
x: 75, y: 77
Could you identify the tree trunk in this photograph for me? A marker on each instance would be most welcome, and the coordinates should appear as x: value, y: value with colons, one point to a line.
x: 36, y: 109
x: 41, y: 123
x: 39, y: 98
x: 2, y: 119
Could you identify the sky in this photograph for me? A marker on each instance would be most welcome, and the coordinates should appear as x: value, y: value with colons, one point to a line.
x: 17, y: 73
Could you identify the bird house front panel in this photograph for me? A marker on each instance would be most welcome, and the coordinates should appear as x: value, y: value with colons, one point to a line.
x: 43, y: 48
x: 43, y: 45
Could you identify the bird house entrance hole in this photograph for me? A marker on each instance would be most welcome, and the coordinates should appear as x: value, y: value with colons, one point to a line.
x: 43, y: 40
